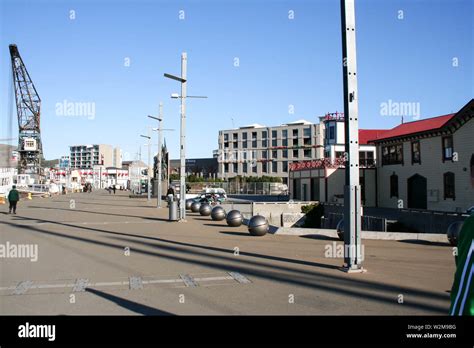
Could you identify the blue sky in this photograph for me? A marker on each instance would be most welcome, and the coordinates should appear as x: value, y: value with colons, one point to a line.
x: 282, y: 62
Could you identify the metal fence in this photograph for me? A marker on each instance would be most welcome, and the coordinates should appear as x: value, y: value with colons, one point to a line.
x: 250, y: 188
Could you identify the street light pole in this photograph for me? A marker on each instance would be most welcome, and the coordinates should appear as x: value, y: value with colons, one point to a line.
x: 352, y: 202
x: 159, y: 156
x: 182, y: 150
x: 148, y: 169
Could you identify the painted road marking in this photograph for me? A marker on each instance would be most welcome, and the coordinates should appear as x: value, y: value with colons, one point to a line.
x: 239, y: 277
x: 134, y: 283
x: 80, y: 285
x: 22, y: 287
x: 188, y: 280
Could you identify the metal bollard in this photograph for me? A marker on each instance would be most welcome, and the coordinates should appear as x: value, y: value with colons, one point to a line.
x: 173, y: 211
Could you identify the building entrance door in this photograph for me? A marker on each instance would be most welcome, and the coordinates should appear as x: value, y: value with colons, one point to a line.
x: 417, y: 192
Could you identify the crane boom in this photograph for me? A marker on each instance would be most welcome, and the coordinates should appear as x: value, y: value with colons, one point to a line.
x: 28, y: 106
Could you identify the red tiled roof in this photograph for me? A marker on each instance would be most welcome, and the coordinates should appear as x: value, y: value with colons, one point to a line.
x: 365, y: 135
x: 414, y: 127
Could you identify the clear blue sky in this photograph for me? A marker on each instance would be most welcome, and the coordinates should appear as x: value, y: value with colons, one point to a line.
x: 282, y: 62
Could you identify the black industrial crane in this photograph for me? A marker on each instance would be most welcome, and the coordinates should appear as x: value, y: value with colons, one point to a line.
x: 28, y: 106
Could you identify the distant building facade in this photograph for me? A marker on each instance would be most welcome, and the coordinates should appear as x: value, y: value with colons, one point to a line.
x: 257, y: 150
x: 428, y: 164
x: 202, y: 167
x: 88, y: 156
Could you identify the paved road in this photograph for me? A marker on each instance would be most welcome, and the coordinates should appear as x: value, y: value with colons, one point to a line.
x: 109, y: 254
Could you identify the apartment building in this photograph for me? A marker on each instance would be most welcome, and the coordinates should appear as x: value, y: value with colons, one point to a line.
x: 87, y: 156
x: 257, y: 150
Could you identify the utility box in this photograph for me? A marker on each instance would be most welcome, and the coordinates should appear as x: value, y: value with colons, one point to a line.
x: 173, y: 210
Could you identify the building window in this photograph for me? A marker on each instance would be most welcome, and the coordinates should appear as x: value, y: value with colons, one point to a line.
x: 415, y: 152
x: 274, y: 154
x: 236, y: 145
x: 366, y: 159
x: 244, y: 167
x: 264, y: 167
x: 307, y: 141
x: 264, y: 135
x: 235, y: 136
x: 244, y: 136
x: 226, y: 167
x: 275, y: 167
x: 392, y: 154
x: 284, y: 142
x: 274, y: 134
x: 448, y: 148
x: 393, y: 185
x: 339, y: 154
x: 264, y: 154
x: 244, y: 144
x: 295, y: 133
x: 285, y: 166
x: 236, y: 168
x: 295, y: 154
x: 448, y: 180
x: 284, y: 136
x: 254, y: 168
x: 226, y: 137
x: 307, y: 153
x: 285, y: 153
x: 331, y: 132
x: 307, y: 132
x: 274, y: 142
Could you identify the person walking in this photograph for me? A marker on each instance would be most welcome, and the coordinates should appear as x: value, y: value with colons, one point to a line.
x: 170, y: 195
x: 13, y: 198
x: 113, y: 188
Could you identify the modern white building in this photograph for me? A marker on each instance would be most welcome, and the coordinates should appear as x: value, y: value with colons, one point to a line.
x: 257, y: 150
x: 87, y: 156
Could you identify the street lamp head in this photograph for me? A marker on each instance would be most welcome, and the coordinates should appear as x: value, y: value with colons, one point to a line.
x: 145, y: 136
x: 175, y: 95
x: 155, y: 118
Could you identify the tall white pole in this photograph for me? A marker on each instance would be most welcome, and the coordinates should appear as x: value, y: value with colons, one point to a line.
x: 149, y: 171
x: 182, y: 194
x: 352, y: 202
x: 159, y: 157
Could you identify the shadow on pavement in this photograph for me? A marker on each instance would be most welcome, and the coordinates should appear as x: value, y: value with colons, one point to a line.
x: 425, y: 242
x: 127, y: 304
x: 338, y: 284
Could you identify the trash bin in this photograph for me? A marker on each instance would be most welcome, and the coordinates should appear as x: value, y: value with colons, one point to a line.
x: 173, y: 212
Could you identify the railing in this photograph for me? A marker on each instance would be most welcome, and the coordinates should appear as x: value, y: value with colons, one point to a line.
x: 250, y: 188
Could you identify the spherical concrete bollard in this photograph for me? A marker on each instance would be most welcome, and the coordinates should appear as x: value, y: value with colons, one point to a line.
x: 454, y: 230
x: 189, y: 203
x: 340, y: 229
x: 195, y: 207
x: 205, y: 209
x: 258, y: 225
x: 218, y: 213
x: 234, y: 218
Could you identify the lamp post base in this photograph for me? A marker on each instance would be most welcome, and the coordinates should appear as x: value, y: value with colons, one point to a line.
x: 347, y: 269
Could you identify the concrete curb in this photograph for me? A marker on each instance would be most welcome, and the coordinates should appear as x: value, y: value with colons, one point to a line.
x: 371, y: 235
